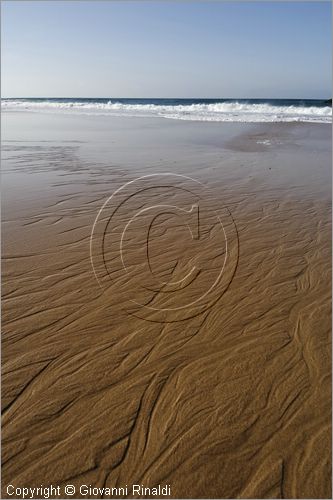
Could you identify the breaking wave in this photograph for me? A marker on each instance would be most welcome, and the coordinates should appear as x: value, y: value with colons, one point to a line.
x: 181, y: 109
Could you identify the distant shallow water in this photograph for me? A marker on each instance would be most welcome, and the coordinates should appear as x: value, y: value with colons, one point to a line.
x: 211, y: 110
x: 231, y: 153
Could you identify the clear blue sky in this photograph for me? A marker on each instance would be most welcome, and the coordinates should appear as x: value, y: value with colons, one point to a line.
x: 166, y: 49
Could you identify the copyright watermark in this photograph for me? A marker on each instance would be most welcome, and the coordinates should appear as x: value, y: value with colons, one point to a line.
x: 160, y: 243
x: 88, y: 491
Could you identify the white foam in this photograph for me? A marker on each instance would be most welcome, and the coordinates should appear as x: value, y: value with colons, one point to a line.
x: 216, y: 112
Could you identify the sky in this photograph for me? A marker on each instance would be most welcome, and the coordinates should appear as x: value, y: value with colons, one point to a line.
x: 166, y: 49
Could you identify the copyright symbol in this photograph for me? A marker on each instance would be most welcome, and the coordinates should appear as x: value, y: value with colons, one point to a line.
x: 160, y: 241
x: 70, y: 489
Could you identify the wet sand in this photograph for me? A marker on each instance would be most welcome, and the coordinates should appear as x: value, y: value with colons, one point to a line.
x: 126, y: 379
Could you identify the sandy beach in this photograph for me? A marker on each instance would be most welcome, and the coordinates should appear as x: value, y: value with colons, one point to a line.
x: 218, y: 385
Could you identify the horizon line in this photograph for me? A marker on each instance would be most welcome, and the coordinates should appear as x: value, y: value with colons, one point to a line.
x: 170, y: 98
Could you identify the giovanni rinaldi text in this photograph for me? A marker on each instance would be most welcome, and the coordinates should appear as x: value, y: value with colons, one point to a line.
x: 88, y: 490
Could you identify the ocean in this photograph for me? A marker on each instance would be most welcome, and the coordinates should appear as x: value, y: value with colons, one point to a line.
x: 211, y: 110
